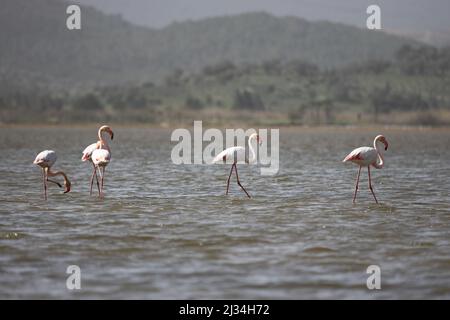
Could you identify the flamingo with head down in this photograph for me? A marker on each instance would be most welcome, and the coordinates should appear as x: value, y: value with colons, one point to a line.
x: 46, y: 159
x: 366, y: 157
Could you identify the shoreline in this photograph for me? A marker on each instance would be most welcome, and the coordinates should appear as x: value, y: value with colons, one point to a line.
x: 396, y: 127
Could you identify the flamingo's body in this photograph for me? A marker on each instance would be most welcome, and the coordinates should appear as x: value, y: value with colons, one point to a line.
x: 237, y: 154
x: 99, y: 155
x: 366, y: 157
x: 46, y: 159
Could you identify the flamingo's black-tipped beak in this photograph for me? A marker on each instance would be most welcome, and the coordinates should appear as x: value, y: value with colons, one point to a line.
x: 112, y: 135
x: 67, y: 188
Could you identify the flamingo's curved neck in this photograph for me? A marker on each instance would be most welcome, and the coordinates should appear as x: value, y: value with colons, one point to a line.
x: 379, y: 164
x: 253, y: 154
x: 103, y: 142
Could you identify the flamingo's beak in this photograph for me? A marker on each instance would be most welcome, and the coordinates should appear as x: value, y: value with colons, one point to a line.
x: 67, y: 186
x: 386, y: 145
x: 112, y: 135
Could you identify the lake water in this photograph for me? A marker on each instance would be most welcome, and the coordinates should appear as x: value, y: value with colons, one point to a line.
x: 168, y: 231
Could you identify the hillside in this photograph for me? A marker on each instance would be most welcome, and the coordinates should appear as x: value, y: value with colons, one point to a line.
x: 36, y: 49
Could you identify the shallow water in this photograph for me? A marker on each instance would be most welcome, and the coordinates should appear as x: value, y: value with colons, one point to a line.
x: 168, y: 231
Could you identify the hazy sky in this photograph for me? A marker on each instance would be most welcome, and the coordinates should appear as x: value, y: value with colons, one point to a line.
x: 407, y: 16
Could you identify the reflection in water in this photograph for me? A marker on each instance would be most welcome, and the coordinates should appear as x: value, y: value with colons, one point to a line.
x: 167, y: 231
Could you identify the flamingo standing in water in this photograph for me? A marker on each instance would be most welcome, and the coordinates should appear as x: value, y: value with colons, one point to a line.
x: 366, y: 157
x: 46, y: 159
x: 102, y: 156
x: 89, y: 150
x: 238, y: 154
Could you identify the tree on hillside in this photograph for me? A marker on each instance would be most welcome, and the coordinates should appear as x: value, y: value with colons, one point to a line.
x: 247, y: 99
x: 88, y: 101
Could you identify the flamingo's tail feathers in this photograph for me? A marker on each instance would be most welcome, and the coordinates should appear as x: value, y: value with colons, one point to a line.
x: 221, y: 157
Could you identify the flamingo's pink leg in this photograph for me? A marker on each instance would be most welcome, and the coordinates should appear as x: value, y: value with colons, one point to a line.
x: 103, y: 175
x: 370, y: 185
x: 92, y: 181
x: 94, y: 174
x: 102, y: 169
x: 228, y: 181
x: 96, y: 178
x: 45, y: 183
x: 357, y: 184
x: 239, y: 183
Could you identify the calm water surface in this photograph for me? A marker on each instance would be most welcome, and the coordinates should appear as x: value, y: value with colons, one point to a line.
x: 168, y: 231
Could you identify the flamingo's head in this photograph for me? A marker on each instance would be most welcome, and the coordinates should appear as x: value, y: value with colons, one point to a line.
x: 256, y: 137
x: 108, y: 130
x: 383, y: 140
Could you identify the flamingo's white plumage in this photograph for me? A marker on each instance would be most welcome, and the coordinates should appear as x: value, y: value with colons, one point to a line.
x: 46, y: 159
x: 87, y: 152
x: 101, y: 157
x: 366, y: 157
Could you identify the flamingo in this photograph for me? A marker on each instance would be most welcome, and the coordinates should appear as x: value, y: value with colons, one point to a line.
x: 366, y: 157
x: 46, y: 159
x: 238, y: 154
x: 101, y: 158
x: 87, y: 153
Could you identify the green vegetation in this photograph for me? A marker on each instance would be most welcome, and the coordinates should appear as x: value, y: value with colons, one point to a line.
x: 268, y: 93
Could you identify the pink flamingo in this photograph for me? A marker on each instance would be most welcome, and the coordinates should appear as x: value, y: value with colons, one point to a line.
x: 238, y: 154
x: 366, y: 157
x: 46, y: 159
x: 87, y: 152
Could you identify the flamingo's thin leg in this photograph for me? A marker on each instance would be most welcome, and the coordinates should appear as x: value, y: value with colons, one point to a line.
x: 228, y: 181
x: 45, y: 183
x: 357, y: 184
x: 103, y: 175
x: 94, y: 174
x: 92, y: 181
x: 239, y: 183
x: 370, y: 185
x: 96, y: 178
x: 102, y: 170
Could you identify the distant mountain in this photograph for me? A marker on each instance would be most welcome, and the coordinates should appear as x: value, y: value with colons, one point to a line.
x: 425, y: 21
x: 37, y: 49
